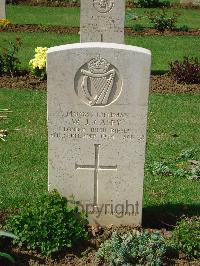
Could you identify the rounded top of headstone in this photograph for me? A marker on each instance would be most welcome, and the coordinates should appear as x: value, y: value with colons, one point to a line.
x: 99, y: 45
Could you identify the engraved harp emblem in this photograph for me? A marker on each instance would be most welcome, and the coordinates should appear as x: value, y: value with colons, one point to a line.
x: 97, y: 83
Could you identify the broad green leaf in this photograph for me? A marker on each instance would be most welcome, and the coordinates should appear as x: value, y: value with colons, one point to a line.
x: 7, y: 256
x: 7, y: 234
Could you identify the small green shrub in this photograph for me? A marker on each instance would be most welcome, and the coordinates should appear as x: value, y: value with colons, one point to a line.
x: 48, y: 225
x: 187, y: 71
x: 153, y: 3
x: 162, y: 20
x: 9, y: 61
x: 186, y: 236
x: 4, y: 255
x: 133, y: 249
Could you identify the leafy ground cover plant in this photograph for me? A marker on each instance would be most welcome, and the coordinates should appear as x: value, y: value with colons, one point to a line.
x: 137, y: 248
x: 4, y: 255
x: 186, y: 236
x: 187, y: 71
x: 48, y: 225
x: 183, y: 166
x: 9, y: 61
x: 162, y: 20
x: 38, y: 63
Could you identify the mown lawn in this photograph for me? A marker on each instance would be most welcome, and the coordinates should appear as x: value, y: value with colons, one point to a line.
x: 188, y: 17
x: 71, y: 16
x: 164, y: 49
x: 23, y: 168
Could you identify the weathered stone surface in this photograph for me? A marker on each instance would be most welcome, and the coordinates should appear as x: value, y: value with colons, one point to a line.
x: 102, y: 21
x: 97, y: 112
x: 2, y: 9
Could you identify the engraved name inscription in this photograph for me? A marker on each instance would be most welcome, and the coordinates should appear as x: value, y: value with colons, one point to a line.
x: 103, y: 23
x: 96, y: 126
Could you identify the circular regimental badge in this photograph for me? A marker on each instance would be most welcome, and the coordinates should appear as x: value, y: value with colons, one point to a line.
x: 103, y: 6
x: 98, y: 83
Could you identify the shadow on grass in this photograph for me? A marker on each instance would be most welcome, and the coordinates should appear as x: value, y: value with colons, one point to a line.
x: 166, y: 216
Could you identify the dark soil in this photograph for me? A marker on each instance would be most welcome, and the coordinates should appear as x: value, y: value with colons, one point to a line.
x: 148, y: 32
x: 40, y: 28
x: 75, y: 30
x: 165, y: 84
x: 25, y: 81
x: 54, y: 3
x: 159, y: 84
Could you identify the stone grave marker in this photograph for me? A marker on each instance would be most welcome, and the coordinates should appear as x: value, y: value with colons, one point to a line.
x: 2, y: 9
x: 102, y: 21
x: 97, y: 114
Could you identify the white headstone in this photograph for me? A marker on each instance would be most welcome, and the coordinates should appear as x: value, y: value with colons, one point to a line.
x: 2, y: 9
x: 102, y: 21
x: 97, y: 114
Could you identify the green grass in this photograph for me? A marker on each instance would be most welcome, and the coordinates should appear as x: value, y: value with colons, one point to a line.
x: 23, y: 168
x: 164, y: 49
x: 71, y: 16
x: 44, y: 15
x: 189, y: 17
x: 169, y: 116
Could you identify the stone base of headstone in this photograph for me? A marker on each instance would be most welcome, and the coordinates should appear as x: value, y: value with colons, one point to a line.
x: 97, y: 115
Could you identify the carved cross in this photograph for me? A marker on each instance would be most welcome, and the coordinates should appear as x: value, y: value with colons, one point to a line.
x: 96, y: 167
